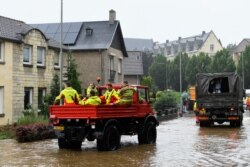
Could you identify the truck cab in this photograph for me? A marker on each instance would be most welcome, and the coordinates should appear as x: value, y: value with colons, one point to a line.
x: 106, y: 123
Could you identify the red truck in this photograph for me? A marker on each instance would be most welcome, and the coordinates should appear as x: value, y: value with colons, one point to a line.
x: 106, y: 123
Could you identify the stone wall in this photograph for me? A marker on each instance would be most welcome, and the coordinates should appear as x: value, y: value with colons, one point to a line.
x: 32, y: 76
x: 89, y: 65
x: 6, y: 83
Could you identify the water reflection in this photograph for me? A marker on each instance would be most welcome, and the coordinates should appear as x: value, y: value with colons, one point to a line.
x: 221, y: 146
x: 180, y: 143
x: 47, y: 153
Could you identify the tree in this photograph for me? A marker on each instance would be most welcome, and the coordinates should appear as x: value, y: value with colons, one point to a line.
x: 147, y: 81
x: 230, y: 48
x: 147, y: 59
x: 223, y: 62
x: 174, y: 72
x: 72, y: 74
x: 197, y: 64
x: 246, y: 58
x: 49, y: 99
x: 158, y: 71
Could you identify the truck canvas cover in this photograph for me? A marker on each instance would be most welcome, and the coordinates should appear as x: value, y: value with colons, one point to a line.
x: 231, y: 83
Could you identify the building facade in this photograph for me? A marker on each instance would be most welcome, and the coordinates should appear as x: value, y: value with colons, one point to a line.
x: 239, y: 49
x: 28, y: 62
x: 205, y: 42
x: 97, y: 47
x: 138, y: 50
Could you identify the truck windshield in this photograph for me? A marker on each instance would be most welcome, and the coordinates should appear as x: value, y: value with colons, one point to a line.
x: 143, y: 96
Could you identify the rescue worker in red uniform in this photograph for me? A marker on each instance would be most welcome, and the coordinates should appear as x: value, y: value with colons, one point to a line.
x: 68, y: 94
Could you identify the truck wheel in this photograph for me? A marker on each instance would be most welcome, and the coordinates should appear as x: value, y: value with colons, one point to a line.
x: 204, y: 124
x: 75, y: 144
x: 90, y: 137
x: 238, y: 123
x: 110, y: 140
x: 62, y: 143
x: 149, y: 134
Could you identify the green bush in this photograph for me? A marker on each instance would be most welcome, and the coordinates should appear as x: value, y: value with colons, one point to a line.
x: 7, y: 132
x: 166, y: 99
x: 31, y: 119
x: 7, y: 135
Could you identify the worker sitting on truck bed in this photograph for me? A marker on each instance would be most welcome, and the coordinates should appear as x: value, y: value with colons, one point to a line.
x: 68, y: 94
x: 91, y: 87
x: 92, y: 99
x: 110, y: 94
x: 125, y: 94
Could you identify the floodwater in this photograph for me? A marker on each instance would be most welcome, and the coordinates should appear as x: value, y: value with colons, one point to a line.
x: 180, y: 142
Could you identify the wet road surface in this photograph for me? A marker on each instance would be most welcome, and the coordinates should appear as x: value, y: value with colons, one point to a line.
x: 180, y: 142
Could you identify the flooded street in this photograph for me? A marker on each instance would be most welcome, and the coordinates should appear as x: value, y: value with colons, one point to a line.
x: 180, y: 142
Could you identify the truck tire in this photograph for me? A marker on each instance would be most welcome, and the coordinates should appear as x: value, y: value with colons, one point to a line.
x: 62, y: 143
x: 149, y: 134
x: 110, y: 140
x: 204, y: 123
x: 90, y: 137
x: 75, y: 144
x: 237, y: 123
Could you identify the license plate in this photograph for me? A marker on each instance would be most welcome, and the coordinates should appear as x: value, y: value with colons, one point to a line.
x: 60, y: 128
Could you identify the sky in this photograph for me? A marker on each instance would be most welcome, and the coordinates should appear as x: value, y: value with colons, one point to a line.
x: 159, y: 20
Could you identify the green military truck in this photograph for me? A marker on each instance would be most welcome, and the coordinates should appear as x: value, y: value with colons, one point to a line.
x: 219, y: 98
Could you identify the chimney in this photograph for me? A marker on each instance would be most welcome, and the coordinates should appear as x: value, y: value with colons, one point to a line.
x: 179, y: 38
x: 112, y: 16
x: 203, y: 33
x: 167, y: 41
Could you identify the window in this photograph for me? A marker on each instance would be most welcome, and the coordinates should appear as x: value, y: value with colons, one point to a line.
x: 1, y: 51
x: 1, y: 101
x: 40, y: 56
x: 212, y: 47
x: 28, y: 97
x: 120, y: 66
x: 111, y: 69
x: 191, y: 48
x: 143, y: 95
x: 27, y: 54
x: 111, y: 62
x: 41, y: 96
x: 57, y: 60
x: 138, y: 57
x: 169, y: 52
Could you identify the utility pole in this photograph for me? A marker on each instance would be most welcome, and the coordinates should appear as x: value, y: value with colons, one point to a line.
x: 180, y: 85
x: 243, y: 73
x: 61, y: 43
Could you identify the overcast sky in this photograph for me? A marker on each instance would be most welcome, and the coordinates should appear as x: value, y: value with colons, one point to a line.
x: 151, y: 19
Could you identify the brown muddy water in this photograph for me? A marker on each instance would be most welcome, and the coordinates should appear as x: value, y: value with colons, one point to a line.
x: 180, y: 142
